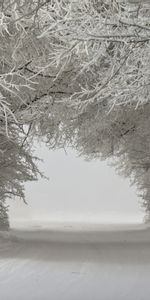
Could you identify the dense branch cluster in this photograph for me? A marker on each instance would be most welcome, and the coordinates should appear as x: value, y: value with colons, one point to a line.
x: 74, y: 73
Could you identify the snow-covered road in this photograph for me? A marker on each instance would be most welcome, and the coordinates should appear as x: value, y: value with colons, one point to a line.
x: 75, y: 266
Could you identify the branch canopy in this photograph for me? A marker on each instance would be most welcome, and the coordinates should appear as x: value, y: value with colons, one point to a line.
x: 75, y: 73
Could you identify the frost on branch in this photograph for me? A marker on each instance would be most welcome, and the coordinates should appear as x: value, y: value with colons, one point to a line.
x: 76, y: 73
x: 79, y: 52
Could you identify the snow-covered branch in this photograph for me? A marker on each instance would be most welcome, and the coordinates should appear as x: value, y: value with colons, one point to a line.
x: 76, y: 73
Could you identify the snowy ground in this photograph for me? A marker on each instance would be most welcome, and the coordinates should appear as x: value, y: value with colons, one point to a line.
x: 74, y: 265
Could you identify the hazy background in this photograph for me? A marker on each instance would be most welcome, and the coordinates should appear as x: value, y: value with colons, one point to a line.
x: 76, y: 264
x: 77, y: 191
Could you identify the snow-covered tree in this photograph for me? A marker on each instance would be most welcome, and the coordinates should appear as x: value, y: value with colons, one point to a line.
x: 77, y: 73
x: 72, y: 51
x: 4, y: 220
x: 17, y: 166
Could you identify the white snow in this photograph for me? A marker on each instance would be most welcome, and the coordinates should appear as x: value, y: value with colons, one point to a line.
x: 75, y: 265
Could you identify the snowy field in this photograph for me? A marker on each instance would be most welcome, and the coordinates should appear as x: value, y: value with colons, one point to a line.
x: 110, y: 264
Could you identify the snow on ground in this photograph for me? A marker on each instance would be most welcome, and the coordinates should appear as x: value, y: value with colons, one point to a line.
x: 74, y: 265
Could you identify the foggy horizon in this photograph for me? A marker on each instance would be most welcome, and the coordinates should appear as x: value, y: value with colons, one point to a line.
x: 88, y: 192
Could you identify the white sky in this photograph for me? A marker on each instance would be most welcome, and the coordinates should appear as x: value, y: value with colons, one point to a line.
x: 77, y: 191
